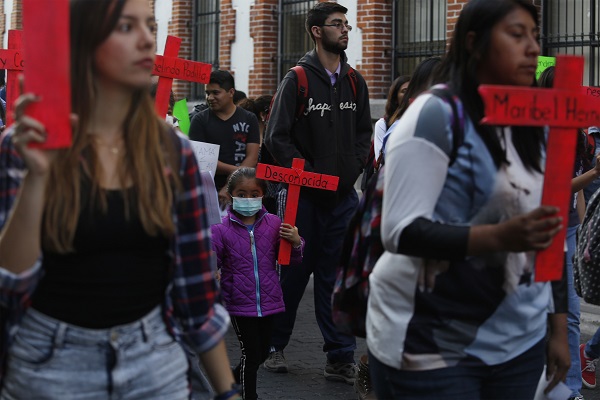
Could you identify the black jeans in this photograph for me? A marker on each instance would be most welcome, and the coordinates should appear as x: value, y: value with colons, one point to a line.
x: 323, y: 232
x: 254, y: 334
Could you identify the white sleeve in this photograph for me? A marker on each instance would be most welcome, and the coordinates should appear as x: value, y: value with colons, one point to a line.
x: 414, y: 175
x: 380, y: 129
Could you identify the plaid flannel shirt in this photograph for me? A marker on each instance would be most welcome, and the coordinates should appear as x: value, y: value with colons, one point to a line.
x: 191, y: 308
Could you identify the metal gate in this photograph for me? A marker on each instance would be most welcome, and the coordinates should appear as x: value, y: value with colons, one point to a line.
x: 572, y: 27
x: 293, y: 39
x: 206, y: 38
x: 419, y: 32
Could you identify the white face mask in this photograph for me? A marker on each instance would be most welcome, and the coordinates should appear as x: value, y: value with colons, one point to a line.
x: 247, y: 206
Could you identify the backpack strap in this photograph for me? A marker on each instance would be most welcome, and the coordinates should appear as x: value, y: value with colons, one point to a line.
x: 458, y: 121
x: 302, y: 91
x: 353, y: 80
x: 301, y: 98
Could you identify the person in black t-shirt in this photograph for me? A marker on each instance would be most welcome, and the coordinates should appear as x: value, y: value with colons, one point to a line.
x: 234, y: 129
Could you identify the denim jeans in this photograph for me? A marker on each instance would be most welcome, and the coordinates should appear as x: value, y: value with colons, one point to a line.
x: 516, y: 379
x: 574, y: 374
x: 592, y: 347
x: 323, y: 231
x: 50, y: 359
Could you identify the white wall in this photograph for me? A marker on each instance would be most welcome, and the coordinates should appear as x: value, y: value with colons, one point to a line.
x: 355, y: 47
x: 8, y: 6
x: 163, y: 10
x: 242, y: 49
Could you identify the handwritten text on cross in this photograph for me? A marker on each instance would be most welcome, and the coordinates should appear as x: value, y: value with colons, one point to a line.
x: 11, y: 59
x: 14, y: 63
x: 295, y: 177
x: 181, y: 69
x: 563, y: 109
x: 168, y: 67
x: 557, y: 108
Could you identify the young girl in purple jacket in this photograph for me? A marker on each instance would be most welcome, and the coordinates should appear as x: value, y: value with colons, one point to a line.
x: 246, y: 244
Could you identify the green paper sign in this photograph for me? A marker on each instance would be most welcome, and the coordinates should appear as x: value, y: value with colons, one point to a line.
x: 543, y: 63
x: 180, y: 111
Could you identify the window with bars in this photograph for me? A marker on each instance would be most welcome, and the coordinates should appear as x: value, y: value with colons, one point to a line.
x: 206, y: 38
x: 572, y: 27
x: 294, y: 41
x: 420, y: 32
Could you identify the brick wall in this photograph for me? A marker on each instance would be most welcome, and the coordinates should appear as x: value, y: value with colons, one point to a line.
x: 152, y: 8
x: 454, y: 7
x: 264, y: 31
x: 16, y: 17
x: 375, y: 21
x: 374, y: 18
x: 2, y: 21
x: 226, y: 34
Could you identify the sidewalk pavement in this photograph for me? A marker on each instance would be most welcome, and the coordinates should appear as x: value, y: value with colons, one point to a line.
x: 589, y: 322
x: 306, y: 361
x: 590, y: 318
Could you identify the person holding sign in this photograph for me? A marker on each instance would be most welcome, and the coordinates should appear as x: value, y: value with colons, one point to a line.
x: 234, y: 129
x: 246, y: 244
x: 454, y: 310
x: 105, y: 254
x: 584, y: 173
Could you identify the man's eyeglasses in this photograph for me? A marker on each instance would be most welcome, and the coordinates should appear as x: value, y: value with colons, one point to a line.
x: 340, y: 26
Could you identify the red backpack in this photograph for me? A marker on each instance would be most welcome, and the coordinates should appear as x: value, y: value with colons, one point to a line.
x: 301, y: 101
x: 302, y: 92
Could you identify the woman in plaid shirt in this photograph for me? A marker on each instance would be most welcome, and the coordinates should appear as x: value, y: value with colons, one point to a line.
x: 105, y: 263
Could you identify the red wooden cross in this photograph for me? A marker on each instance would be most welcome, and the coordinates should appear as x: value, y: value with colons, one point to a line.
x: 48, y: 72
x: 168, y: 66
x: 295, y: 177
x: 564, y: 108
x: 12, y: 61
x: 591, y: 91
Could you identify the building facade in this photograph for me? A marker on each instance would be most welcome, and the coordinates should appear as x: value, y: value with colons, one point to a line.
x: 259, y: 40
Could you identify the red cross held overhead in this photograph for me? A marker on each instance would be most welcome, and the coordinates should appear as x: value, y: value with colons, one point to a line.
x: 565, y: 108
x: 48, y: 72
x: 12, y: 61
x: 168, y: 66
x: 295, y: 177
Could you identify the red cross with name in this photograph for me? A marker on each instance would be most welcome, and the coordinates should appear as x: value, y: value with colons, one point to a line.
x: 565, y: 108
x: 295, y: 178
x: 12, y: 61
x: 48, y: 72
x: 168, y: 67
x: 591, y: 91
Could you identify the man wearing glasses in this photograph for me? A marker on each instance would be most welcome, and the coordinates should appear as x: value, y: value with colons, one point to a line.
x: 333, y: 136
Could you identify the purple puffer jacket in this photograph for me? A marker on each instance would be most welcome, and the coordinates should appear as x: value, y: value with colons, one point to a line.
x: 249, y: 281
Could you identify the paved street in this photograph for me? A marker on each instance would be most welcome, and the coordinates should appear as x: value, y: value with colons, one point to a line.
x: 306, y: 359
x: 590, y: 321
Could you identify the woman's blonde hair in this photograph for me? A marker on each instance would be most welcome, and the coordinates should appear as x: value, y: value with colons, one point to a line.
x: 149, y: 153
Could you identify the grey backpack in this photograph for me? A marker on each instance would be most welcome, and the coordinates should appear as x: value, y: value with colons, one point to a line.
x: 586, y: 260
